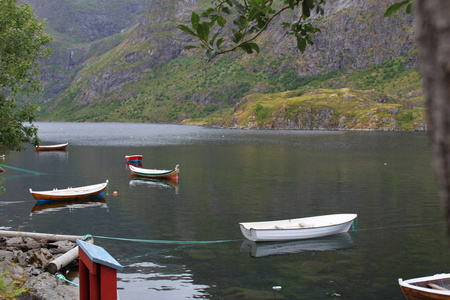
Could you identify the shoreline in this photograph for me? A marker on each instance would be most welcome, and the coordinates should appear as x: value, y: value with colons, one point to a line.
x: 24, y: 266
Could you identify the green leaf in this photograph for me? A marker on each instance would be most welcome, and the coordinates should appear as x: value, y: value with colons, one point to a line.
x: 226, y: 10
x: 396, y: 6
x: 203, y: 31
x: 187, y: 30
x: 221, y: 21
x: 219, y: 42
x: 247, y: 48
x: 195, y: 20
x: 301, y: 44
x: 409, y: 8
x: 190, y: 47
x: 208, y: 12
x: 306, y: 10
x: 291, y: 4
x: 254, y: 46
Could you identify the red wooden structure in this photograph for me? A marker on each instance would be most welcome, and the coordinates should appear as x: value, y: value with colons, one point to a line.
x: 98, y: 273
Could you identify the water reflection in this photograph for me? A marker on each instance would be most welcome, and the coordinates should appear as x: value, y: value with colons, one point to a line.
x: 157, y: 183
x: 146, y: 280
x: 54, y: 206
x: 59, y: 155
x: 330, y: 243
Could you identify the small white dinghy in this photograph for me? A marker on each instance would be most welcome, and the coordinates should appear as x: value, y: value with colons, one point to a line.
x: 297, y: 229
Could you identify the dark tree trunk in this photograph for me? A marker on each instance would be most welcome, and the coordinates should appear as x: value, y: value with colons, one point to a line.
x: 433, y: 27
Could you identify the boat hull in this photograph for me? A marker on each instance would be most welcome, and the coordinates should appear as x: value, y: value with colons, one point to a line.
x: 85, y: 192
x: 416, y: 289
x: 297, y: 229
x: 133, y: 158
x: 156, y: 174
x: 59, y: 147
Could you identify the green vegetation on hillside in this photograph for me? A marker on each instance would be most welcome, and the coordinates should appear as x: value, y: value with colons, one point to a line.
x: 186, y: 88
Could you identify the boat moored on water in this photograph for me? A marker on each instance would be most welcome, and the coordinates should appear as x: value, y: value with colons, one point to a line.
x: 70, y: 193
x: 430, y: 287
x: 154, y: 173
x: 137, y: 158
x: 297, y: 229
x: 58, y: 147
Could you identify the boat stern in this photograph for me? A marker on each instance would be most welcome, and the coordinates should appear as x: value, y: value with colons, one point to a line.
x: 249, y: 234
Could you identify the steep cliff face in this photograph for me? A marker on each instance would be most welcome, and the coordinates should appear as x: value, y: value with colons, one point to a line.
x: 354, y: 35
x: 82, y: 30
x: 89, y: 20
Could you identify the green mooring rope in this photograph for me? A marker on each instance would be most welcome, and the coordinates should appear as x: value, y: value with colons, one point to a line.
x: 60, y: 276
x: 159, y: 241
x: 23, y: 170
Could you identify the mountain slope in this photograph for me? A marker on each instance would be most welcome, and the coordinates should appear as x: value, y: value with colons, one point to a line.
x: 149, y: 77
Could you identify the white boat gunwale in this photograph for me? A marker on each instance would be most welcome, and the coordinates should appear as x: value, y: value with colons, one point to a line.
x: 52, y: 146
x: 150, y: 171
x: 409, y: 283
x: 154, y: 173
x: 306, y: 225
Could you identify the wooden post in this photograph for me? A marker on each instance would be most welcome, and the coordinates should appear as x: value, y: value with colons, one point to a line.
x: 98, y: 273
x: 40, y: 236
x: 65, y: 259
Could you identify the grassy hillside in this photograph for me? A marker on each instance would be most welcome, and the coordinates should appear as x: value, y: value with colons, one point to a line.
x: 168, y: 94
x: 147, y: 77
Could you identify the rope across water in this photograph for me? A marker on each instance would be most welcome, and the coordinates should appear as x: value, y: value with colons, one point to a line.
x: 172, y: 242
x: 30, y: 173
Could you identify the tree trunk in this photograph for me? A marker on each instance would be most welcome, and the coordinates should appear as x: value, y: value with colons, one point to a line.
x: 433, y: 28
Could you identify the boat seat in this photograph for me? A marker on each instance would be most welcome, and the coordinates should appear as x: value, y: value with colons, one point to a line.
x: 294, y: 226
x: 436, y: 287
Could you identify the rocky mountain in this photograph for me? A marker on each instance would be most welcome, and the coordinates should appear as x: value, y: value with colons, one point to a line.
x: 113, y: 62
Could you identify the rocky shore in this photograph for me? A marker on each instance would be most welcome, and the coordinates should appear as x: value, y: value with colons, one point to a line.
x: 23, y: 269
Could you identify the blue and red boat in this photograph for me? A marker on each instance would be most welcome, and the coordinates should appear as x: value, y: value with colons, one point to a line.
x: 133, y: 158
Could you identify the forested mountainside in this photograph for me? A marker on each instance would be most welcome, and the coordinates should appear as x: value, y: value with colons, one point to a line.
x: 124, y: 61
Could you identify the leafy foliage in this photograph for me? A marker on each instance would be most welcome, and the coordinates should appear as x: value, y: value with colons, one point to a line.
x: 9, y: 291
x: 23, y: 40
x: 13, y: 129
x: 22, y: 44
x: 249, y: 19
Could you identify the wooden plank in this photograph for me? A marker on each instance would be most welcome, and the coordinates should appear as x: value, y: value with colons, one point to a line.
x: 99, y: 255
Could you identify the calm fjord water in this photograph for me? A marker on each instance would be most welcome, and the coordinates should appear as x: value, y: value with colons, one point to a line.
x: 232, y: 176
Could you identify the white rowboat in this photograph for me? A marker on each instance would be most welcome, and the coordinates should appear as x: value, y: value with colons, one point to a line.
x: 83, y: 192
x: 59, y: 147
x: 153, y: 173
x: 297, y: 229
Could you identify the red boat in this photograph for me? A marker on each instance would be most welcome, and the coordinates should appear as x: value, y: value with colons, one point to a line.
x: 133, y: 158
